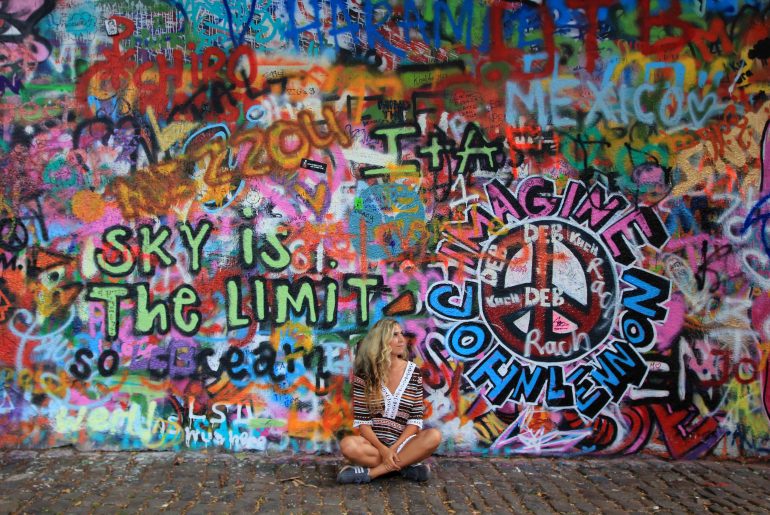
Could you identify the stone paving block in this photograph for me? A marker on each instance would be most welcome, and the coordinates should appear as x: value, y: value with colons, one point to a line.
x: 513, y: 500
x: 583, y: 507
x: 454, y: 493
x: 536, y: 504
x: 561, y: 505
x: 615, y: 512
x: 435, y: 502
x: 489, y: 494
x: 8, y: 506
x: 244, y: 483
x: 272, y: 506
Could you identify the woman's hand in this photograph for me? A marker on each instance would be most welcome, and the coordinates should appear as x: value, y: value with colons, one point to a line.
x: 390, y: 459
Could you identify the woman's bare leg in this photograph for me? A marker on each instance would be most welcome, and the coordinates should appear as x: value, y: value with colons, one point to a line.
x: 420, y: 447
x: 359, y: 451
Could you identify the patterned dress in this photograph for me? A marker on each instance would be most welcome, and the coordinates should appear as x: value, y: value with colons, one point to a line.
x: 402, y: 407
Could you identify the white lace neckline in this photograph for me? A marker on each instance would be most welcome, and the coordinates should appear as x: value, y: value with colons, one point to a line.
x: 392, y: 400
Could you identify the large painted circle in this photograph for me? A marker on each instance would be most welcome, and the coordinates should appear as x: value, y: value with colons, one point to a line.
x: 549, y: 290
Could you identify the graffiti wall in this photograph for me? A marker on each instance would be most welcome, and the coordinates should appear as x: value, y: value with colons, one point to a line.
x: 204, y: 205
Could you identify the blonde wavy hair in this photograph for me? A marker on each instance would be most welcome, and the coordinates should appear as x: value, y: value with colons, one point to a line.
x: 373, y: 361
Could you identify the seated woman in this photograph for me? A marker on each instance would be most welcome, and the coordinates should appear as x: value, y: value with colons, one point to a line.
x: 387, y: 410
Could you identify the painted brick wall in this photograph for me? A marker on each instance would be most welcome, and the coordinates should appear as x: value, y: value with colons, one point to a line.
x: 204, y: 205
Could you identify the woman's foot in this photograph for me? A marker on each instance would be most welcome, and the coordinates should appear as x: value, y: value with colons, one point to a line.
x: 353, y: 474
x: 418, y: 472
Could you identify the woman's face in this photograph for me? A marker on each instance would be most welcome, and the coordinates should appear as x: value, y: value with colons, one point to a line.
x: 397, y: 342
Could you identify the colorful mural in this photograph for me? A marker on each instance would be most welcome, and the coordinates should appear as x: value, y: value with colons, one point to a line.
x: 205, y: 205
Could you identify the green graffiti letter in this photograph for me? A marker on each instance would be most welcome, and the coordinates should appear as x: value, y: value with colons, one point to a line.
x: 117, y: 238
x: 194, y: 241
x: 111, y: 295
x: 184, y: 296
x: 147, y: 313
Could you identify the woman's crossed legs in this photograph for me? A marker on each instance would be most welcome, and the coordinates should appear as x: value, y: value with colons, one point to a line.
x: 358, y: 450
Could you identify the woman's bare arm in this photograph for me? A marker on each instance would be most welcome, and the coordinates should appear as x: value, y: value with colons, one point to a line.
x: 389, y: 457
x: 367, y: 432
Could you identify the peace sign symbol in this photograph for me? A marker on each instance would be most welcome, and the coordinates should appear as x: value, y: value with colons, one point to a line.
x: 13, y: 235
x: 548, y: 290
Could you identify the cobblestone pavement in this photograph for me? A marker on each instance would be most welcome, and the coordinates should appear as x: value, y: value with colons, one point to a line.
x: 68, y: 481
